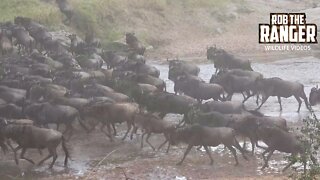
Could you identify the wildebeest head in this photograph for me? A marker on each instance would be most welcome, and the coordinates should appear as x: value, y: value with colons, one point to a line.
x: 3, y: 122
x: 314, y: 96
x: 131, y: 38
x: 212, y: 52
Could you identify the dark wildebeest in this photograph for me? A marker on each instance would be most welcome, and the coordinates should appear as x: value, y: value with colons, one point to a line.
x: 281, y: 88
x: 110, y: 113
x: 112, y: 59
x: 197, y: 135
x: 149, y: 123
x: 278, y: 139
x: 181, y: 81
x: 134, y: 44
x: 198, y: 89
x: 314, y: 97
x: 223, y: 60
x: 31, y: 137
x: 23, y: 39
x: 228, y: 107
x: 66, y: 9
x: 235, y: 84
x: 5, y: 43
x: 179, y: 68
x: 164, y: 103
x: 47, y: 113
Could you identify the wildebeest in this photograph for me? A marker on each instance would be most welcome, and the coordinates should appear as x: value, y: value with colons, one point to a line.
x: 149, y: 124
x: 314, y: 97
x: 13, y: 95
x: 198, y: 89
x: 23, y: 39
x: 46, y: 91
x: 112, y: 59
x: 179, y: 68
x: 11, y: 111
x: 134, y: 44
x: 5, y: 43
x: 228, y: 107
x: 164, y: 103
x: 183, y: 80
x: 281, y: 88
x: 110, y: 113
x: 47, y: 113
x: 66, y: 9
x: 278, y: 139
x: 197, y: 135
x: 35, y: 138
x: 236, y: 84
x: 223, y: 60
x: 139, y: 68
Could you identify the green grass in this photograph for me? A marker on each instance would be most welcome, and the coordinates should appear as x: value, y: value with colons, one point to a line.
x: 99, y: 16
x: 39, y: 11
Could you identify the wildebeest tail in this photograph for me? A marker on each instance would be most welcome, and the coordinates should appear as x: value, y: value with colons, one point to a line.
x: 64, y: 147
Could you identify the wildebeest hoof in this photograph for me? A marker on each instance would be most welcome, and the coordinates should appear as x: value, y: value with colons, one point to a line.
x: 264, y: 166
x: 179, y: 163
x: 237, y: 164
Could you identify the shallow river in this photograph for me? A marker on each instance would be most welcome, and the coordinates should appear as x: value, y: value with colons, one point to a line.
x: 87, y: 150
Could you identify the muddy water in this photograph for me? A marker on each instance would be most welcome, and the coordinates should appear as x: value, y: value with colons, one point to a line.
x: 303, y: 70
x: 88, y: 150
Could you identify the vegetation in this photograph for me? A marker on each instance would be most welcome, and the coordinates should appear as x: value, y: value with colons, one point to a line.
x: 107, y: 19
x: 311, y: 141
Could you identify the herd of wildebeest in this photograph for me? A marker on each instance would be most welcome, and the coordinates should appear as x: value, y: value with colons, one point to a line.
x: 47, y: 80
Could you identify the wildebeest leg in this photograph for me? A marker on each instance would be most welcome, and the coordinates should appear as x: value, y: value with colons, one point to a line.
x: 58, y: 125
x: 229, y: 97
x: 185, y: 154
x: 55, y: 156
x: 144, y: 133
x: 279, y: 100
x: 290, y: 164
x: 237, y: 145
x: 134, y: 130
x: 257, y: 100
x: 22, y: 156
x: 147, y: 140
x: 15, y: 154
x: 107, y: 134
x: 69, y: 128
x: 209, y: 154
x: 264, y: 99
x: 114, y: 129
x: 299, y: 101
x: 46, y: 158
x: 233, y: 151
x: 268, y: 157
x: 162, y: 144
x: 246, y: 98
x: 83, y: 125
x: 129, y: 124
